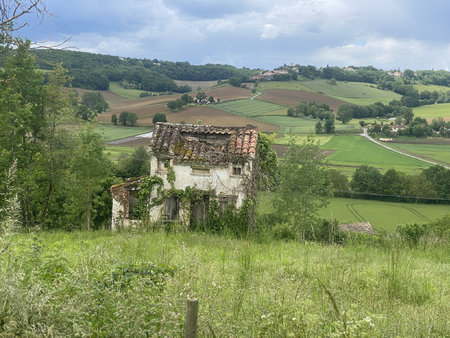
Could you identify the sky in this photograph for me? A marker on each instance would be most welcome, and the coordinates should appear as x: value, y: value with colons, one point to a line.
x: 387, y: 34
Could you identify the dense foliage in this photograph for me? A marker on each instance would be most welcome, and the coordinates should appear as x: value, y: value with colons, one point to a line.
x: 95, y: 71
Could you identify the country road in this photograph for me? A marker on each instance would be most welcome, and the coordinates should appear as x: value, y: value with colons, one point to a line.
x: 366, y: 135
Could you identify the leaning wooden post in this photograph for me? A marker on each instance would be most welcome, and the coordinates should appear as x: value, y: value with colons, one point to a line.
x: 190, y: 325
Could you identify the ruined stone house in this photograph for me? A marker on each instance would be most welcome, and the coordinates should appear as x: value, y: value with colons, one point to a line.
x: 218, y: 162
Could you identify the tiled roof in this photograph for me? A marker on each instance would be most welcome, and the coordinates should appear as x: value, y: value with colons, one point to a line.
x: 204, y: 144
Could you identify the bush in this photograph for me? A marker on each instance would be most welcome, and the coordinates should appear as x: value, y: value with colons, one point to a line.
x: 412, y: 233
x: 283, y: 232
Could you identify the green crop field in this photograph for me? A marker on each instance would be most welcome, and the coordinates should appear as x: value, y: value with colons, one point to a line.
x: 136, y: 283
x: 353, y: 92
x: 437, y: 152
x: 433, y: 110
x: 300, y: 138
x: 247, y: 107
x: 431, y: 88
x: 116, y: 88
x: 354, y: 150
x: 291, y: 85
x: 384, y: 216
x: 111, y: 133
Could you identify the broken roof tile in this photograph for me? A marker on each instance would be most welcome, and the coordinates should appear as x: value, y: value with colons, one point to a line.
x: 203, y: 143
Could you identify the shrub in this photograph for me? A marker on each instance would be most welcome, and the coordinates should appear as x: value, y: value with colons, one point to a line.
x: 283, y: 232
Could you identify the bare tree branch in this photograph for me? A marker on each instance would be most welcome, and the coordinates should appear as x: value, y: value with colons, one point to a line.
x: 12, y: 10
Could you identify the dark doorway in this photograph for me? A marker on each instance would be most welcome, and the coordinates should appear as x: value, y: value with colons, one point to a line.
x: 199, y: 210
x: 171, y: 208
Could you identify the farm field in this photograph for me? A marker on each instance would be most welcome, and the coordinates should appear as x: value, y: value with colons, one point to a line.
x: 116, y: 88
x: 247, y: 107
x: 384, y: 216
x: 211, y: 116
x: 353, y: 92
x: 433, y: 111
x: 289, y: 85
x: 81, y: 283
x: 111, y: 133
x: 229, y: 93
x: 196, y: 84
x: 354, y: 150
x: 293, y: 98
x: 436, y: 152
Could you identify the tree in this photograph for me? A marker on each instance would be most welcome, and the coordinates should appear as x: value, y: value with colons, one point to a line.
x: 345, y: 113
x: 95, y: 101
x: 366, y: 179
x: 319, y: 127
x: 329, y: 126
x: 267, y: 170
x: 90, y: 166
x: 132, y: 118
x: 159, y: 117
x: 135, y: 165
x: 304, y: 186
x: 123, y: 117
x: 114, y: 119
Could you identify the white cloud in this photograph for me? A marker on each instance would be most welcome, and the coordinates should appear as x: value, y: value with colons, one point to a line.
x: 269, y: 31
x: 388, y: 53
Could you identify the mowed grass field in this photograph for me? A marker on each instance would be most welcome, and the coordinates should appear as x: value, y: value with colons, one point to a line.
x: 353, y: 92
x: 384, y: 216
x: 116, y: 88
x: 431, y: 88
x: 249, y: 108
x: 111, y: 133
x: 433, y: 111
x: 437, y: 152
x: 354, y: 150
x: 289, y: 85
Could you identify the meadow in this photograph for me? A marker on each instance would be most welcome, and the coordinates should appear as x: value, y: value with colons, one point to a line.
x: 353, y: 92
x: 136, y: 283
x: 433, y: 111
x: 247, y: 107
x: 431, y: 88
x: 289, y: 85
x: 354, y: 150
x: 110, y: 132
x: 116, y: 88
x: 437, y: 152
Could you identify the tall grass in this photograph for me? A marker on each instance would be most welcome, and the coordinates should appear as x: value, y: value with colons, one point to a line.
x: 60, y: 284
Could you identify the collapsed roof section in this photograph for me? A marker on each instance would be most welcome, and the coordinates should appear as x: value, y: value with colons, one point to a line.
x: 203, y: 144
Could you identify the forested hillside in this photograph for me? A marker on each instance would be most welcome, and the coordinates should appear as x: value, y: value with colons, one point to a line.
x: 94, y: 71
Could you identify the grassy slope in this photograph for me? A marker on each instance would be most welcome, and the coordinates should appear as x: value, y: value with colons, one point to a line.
x: 355, y: 150
x: 111, y: 133
x: 115, y: 152
x: 116, y: 88
x: 431, y: 88
x: 291, y: 85
x: 352, y: 92
x: 433, y: 111
x: 384, y: 216
x: 249, y: 108
x: 244, y: 289
x: 438, y: 152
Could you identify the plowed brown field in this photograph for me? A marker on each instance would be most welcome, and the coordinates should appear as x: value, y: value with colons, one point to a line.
x: 294, y: 97
x: 228, y: 93
x: 217, y: 117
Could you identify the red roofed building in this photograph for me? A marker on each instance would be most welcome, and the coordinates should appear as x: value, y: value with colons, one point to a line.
x: 218, y: 162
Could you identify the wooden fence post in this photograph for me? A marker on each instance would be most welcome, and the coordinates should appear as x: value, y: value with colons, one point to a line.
x: 190, y: 325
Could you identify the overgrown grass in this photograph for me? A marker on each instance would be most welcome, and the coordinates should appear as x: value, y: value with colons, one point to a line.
x: 353, y: 92
x: 110, y: 132
x: 116, y: 88
x: 433, y: 110
x: 115, y: 152
x: 95, y: 284
x: 356, y: 150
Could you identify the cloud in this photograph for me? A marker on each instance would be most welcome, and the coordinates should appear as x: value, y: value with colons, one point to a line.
x: 257, y: 33
x: 388, y: 53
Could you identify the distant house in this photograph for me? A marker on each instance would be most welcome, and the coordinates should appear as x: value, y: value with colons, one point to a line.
x: 217, y: 162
